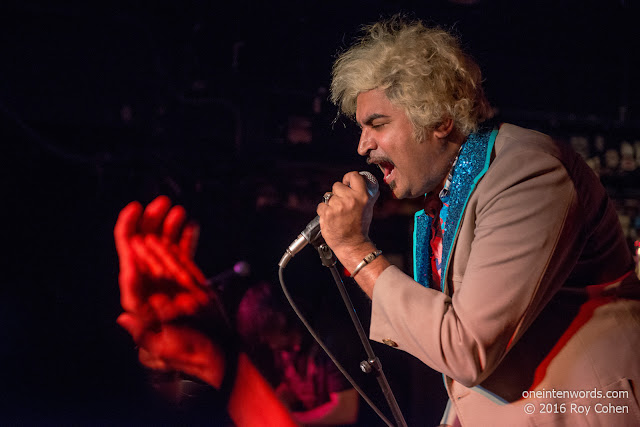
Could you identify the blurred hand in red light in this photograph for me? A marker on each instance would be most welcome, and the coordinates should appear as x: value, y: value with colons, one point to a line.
x: 166, y: 301
x: 158, y: 277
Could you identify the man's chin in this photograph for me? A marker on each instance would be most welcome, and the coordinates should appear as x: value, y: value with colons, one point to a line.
x: 402, y: 193
x: 397, y: 193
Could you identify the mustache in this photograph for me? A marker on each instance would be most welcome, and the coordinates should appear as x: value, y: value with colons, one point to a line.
x: 379, y: 160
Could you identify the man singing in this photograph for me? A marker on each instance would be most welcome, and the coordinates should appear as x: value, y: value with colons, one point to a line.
x: 523, y: 281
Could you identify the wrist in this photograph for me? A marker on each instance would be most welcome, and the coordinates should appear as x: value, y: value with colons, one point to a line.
x: 352, y: 256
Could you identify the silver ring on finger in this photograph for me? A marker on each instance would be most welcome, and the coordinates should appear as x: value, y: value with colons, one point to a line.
x: 327, y: 196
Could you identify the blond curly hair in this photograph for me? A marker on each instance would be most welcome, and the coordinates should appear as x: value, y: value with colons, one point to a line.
x: 420, y: 69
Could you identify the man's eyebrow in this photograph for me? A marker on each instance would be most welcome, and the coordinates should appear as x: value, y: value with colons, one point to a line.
x: 369, y: 120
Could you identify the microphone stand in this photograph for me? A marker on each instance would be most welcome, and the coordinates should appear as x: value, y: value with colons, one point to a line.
x: 372, y: 364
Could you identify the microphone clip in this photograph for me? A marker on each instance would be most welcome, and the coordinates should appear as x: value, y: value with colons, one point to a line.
x: 327, y: 256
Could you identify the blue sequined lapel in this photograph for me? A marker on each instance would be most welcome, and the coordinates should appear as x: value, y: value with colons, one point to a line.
x: 422, y: 248
x: 473, y: 162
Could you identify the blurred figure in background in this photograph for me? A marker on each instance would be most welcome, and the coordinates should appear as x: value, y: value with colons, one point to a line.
x: 178, y: 324
x: 305, y: 379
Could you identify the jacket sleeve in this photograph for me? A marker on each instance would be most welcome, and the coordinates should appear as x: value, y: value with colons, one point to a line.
x: 525, y: 233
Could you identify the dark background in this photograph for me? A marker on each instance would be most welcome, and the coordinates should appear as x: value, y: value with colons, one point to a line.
x: 223, y: 107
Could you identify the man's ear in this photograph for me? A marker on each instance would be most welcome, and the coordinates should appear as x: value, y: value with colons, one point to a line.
x: 444, y: 129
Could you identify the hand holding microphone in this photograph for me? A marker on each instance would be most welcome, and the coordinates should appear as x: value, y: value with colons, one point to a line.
x: 344, y: 215
x: 345, y: 218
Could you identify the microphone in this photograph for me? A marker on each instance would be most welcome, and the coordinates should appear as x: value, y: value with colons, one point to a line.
x: 240, y: 268
x: 311, y: 233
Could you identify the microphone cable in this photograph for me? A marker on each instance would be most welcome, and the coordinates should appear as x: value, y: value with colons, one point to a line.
x: 326, y: 350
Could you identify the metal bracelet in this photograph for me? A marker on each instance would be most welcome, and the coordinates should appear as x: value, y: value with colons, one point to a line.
x: 366, y: 260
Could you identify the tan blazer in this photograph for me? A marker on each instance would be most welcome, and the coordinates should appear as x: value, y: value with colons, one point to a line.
x: 534, y: 326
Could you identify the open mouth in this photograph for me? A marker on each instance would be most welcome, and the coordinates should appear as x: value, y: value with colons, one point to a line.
x: 387, y: 169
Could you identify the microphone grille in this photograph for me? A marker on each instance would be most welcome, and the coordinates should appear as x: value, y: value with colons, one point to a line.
x: 372, y: 182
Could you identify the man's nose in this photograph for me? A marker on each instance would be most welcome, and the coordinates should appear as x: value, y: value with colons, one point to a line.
x: 366, y: 143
